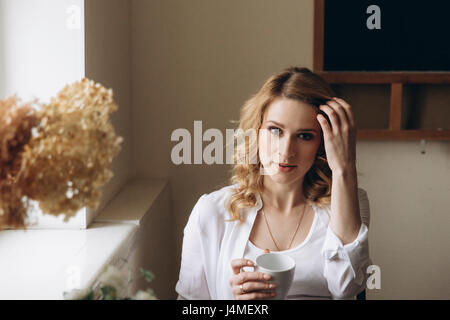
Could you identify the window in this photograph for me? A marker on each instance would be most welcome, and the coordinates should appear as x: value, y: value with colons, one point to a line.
x: 42, y: 49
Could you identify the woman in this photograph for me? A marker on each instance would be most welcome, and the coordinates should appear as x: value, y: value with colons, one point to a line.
x: 300, y: 198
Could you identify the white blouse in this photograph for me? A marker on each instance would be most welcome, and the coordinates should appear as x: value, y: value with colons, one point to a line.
x: 325, y: 268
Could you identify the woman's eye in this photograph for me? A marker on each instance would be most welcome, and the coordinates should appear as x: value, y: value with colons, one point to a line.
x: 275, y: 130
x: 306, y: 136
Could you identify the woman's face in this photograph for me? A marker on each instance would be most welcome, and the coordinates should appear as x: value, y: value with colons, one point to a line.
x: 289, y: 139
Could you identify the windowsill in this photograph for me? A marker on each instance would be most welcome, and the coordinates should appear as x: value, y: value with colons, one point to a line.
x: 42, y: 264
x: 139, y: 194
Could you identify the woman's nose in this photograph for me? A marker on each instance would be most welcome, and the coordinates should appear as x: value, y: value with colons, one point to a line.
x: 286, y: 150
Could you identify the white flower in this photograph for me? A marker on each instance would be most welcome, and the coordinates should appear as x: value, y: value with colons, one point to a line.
x: 144, y: 295
x: 113, y: 277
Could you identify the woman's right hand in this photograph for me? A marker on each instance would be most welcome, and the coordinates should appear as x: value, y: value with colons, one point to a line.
x: 249, y: 285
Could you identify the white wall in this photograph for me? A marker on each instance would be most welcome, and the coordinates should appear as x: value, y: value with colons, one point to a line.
x: 2, y: 54
x: 42, y: 51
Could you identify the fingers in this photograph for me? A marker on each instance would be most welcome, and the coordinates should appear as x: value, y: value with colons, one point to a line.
x: 340, y: 115
x: 254, y: 284
x: 348, y: 111
x: 253, y: 287
x: 248, y: 276
x: 238, y: 264
x: 327, y: 133
x: 334, y: 117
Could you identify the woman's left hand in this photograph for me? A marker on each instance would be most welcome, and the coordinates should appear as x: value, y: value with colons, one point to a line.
x: 340, y: 139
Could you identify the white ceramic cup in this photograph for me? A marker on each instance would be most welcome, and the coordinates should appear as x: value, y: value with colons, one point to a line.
x: 281, y: 268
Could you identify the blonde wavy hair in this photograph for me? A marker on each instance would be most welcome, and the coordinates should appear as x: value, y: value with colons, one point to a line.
x: 293, y: 83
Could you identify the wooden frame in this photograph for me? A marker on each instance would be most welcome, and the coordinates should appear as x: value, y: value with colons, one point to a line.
x: 385, y: 77
x: 395, y: 79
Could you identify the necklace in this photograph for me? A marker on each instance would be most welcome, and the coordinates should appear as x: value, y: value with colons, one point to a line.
x: 298, y: 225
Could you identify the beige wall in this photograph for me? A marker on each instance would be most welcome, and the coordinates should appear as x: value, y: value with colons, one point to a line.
x: 200, y: 60
x: 108, y: 61
x: 409, y: 199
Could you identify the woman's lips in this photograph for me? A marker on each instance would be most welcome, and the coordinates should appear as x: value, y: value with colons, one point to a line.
x: 286, y: 167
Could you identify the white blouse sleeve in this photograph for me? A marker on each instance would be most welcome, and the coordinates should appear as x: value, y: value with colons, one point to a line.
x: 346, y: 265
x: 192, y: 284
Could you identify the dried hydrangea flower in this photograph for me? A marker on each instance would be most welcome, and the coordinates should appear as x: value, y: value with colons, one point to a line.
x: 17, y: 121
x: 68, y: 158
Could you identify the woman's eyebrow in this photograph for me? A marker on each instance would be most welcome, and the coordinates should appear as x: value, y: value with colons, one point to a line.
x: 282, y: 126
